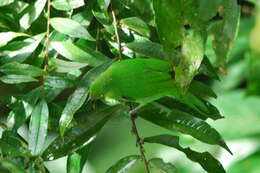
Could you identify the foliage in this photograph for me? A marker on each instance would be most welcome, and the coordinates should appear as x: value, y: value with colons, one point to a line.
x: 68, y: 67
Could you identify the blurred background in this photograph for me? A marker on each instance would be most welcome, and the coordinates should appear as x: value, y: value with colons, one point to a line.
x: 238, y: 100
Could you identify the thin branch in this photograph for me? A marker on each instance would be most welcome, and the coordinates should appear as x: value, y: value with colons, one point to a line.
x: 139, y: 141
x: 115, y: 23
x: 47, y: 36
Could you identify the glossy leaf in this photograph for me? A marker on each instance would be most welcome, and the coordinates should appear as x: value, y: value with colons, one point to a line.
x: 31, y: 13
x: 38, y: 127
x: 137, y: 25
x: 183, y: 122
x: 208, y: 9
x: 161, y: 166
x: 81, y: 134
x: 77, y: 160
x: 71, y: 28
x: 65, y: 66
x: 5, y: 2
x: 16, y: 79
x: 11, y: 166
x: 67, y: 5
x: 14, y: 68
x: 20, y: 51
x: 75, y: 53
x: 169, y: 22
x: 79, y: 96
x: 201, y: 90
x: 123, y: 164
x: 205, y: 159
x: 84, y: 18
x: 58, y: 82
x: 8, y: 36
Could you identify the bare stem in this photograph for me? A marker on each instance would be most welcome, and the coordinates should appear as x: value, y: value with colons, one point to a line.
x: 47, y: 36
x: 139, y: 141
x: 115, y: 23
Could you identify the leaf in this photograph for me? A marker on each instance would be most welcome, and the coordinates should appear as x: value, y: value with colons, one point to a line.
x: 84, y: 18
x: 62, y: 66
x: 67, y: 5
x: 162, y: 167
x: 77, y: 99
x: 183, y: 122
x: 61, y: 82
x: 205, y: 159
x: 123, y: 164
x: 31, y: 13
x: 71, y: 28
x: 81, y: 134
x: 75, y: 53
x: 8, y: 36
x: 168, y: 18
x: 192, y: 56
x: 201, y: 90
x: 77, y: 160
x: 20, y: 51
x: 15, y: 68
x: 11, y: 166
x: 5, y: 2
x: 16, y: 79
x: 38, y: 127
x: 207, y: 69
x: 147, y: 49
x: 208, y: 9
x: 136, y: 24
x: 225, y: 31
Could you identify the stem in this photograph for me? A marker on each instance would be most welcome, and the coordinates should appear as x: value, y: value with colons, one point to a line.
x: 115, y: 23
x: 139, y: 141
x: 47, y: 36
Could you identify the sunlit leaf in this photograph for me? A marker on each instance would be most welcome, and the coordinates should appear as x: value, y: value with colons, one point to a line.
x: 16, y: 79
x: 70, y: 27
x: 8, y: 36
x: 75, y: 53
x: 5, y: 2
x: 67, y: 5
x: 31, y: 13
x: 11, y: 166
x: 137, y: 25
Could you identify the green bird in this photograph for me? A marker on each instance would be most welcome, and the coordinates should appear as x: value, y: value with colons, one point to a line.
x: 142, y: 81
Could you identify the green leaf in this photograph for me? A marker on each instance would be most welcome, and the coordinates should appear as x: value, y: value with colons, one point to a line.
x: 103, y: 4
x: 207, y: 69
x: 5, y: 2
x: 75, y: 53
x: 15, y: 68
x: 168, y: 17
x: 62, y: 66
x: 192, y: 56
x: 201, y: 90
x: 136, y: 24
x: 16, y: 79
x: 84, y: 18
x: 123, y: 164
x: 208, y: 9
x: 20, y: 50
x: 183, y: 122
x: 31, y: 13
x: 77, y: 99
x: 38, y: 127
x: 81, y: 134
x: 8, y: 36
x: 161, y: 166
x: 205, y: 159
x: 77, y: 160
x: 71, y: 28
x: 225, y: 31
x: 11, y: 166
x: 67, y: 5
x: 61, y: 82
x: 147, y: 49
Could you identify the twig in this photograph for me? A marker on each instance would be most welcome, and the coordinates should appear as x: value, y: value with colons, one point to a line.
x: 115, y: 23
x: 139, y: 141
x: 47, y: 36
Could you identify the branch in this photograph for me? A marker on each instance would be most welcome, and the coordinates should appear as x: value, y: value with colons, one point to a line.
x: 47, y: 36
x: 139, y: 141
x: 115, y: 23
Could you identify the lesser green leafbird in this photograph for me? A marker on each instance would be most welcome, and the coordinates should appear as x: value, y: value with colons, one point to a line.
x: 142, y: 81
